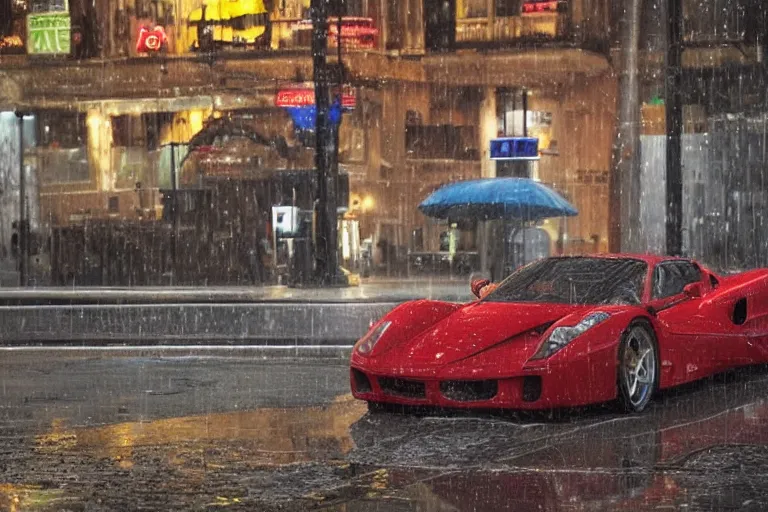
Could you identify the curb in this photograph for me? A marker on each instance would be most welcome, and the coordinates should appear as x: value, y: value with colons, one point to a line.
x: 222, y: 324
x: 246, y: 353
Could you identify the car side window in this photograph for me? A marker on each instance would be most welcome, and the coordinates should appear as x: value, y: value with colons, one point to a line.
x: 691, y: 273
x: 671, y: 278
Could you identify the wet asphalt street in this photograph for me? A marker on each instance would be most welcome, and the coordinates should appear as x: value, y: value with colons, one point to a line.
x: 102, y: 431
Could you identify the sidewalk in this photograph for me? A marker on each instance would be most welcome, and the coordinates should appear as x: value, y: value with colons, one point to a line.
x: 274, y: 316
x: 375, y: 290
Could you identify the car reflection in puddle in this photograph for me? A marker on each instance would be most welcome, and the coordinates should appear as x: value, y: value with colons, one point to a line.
x: 695, y: 450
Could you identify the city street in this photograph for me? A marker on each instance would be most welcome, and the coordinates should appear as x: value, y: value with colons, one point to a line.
x: 225, y: 430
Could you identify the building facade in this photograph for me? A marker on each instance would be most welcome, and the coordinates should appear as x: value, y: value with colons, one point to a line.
x: 127, y: 100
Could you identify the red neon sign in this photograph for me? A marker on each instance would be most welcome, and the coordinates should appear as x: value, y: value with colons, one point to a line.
x: 359, y: 33
x: 305, y: 97
x: 540, y: 7
x: 151, y: 40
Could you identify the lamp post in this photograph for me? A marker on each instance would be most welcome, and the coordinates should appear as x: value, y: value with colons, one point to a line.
x: 327, y: 271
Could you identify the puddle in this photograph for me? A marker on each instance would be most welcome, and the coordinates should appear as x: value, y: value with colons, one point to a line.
x: 19, y: 498
x: 261, y: 437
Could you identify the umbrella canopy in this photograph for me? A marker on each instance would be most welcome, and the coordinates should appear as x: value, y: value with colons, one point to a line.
x: 496, y: 198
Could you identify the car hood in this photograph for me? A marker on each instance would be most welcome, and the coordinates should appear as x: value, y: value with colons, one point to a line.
x: 476, y: 328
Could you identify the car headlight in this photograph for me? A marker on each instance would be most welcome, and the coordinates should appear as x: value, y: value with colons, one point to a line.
x: 367, y: 342
x: 562, y: 336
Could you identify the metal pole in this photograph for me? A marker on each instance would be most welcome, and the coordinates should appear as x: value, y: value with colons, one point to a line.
x: 339, y: 20
x: 23, y: 219
x: 624, y: 207
x: 505, y: 108
x: 525, y: 113
x: 175, y: 215
x: 327, y: 269
x: 674, y: 118
x: 514, y: 107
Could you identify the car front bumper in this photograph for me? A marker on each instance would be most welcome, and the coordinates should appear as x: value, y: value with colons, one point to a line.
x: 589, y: 379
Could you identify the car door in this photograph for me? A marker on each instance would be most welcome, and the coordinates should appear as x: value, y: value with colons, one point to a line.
x: 691, y: 337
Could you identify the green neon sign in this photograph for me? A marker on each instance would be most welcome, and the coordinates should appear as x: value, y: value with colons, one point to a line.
x: 49, y: 34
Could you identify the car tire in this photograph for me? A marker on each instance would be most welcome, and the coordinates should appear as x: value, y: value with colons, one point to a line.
x: 638, y: 367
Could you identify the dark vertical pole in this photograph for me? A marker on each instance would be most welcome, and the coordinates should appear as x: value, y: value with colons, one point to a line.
x: 175, y: 215
x: 525, y: 113
x: 327, y: 264
x: 23, y: 218
x: 336, y: 139
x: 674, y: 116
x: 339, y: 21
x: 624, y: 206
x: 514, y: 107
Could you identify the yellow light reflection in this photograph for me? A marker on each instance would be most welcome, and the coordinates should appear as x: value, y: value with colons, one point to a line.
x: 99, y: 148
x: 261, y: 437
x: 15, y: 498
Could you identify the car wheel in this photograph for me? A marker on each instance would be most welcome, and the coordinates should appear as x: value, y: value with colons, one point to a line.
x: 638, y: 367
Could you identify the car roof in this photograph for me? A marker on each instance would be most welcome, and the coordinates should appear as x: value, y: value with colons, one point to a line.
x: 650, y: 259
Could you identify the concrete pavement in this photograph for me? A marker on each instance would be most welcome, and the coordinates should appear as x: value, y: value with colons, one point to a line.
x: 273, y: 315
x: 101, y: 432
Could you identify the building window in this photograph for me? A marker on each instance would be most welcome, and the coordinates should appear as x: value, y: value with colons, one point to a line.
x: 48, y: 6
x: 507, y: 8
x: 466, y: 9
x: 139, y: 131
x: 160, y: 12
x: 61, y: 153
x: 61, y: 129
x: 12, y: 26
x: 128, y: 132
x: 352, y: 147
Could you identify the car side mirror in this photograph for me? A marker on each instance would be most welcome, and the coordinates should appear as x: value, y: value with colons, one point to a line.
x: 693, y: 290
x: 477, y: 286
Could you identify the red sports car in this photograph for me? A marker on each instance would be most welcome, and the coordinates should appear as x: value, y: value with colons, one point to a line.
x: 567, y: 331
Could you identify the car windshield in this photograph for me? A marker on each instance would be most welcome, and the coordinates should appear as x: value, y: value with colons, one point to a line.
x: 575, y: 281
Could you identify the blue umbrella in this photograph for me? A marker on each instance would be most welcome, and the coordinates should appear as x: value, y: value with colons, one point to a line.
x: 496, y: 198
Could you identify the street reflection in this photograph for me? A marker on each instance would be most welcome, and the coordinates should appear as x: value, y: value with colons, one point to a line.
x: 618, y: 463
x: 259, y: 437
x: 18, y: 498
x: 337, y: 457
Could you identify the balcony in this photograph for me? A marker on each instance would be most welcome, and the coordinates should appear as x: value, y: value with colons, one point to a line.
x: 534, y: 23
x: 549, y: 27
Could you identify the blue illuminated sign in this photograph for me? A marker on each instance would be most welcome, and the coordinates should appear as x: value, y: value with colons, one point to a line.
x: 515, y: 148
x: 304, y: 117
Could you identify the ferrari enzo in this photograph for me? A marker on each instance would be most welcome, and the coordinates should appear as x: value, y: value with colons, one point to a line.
x: 565, y: 332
